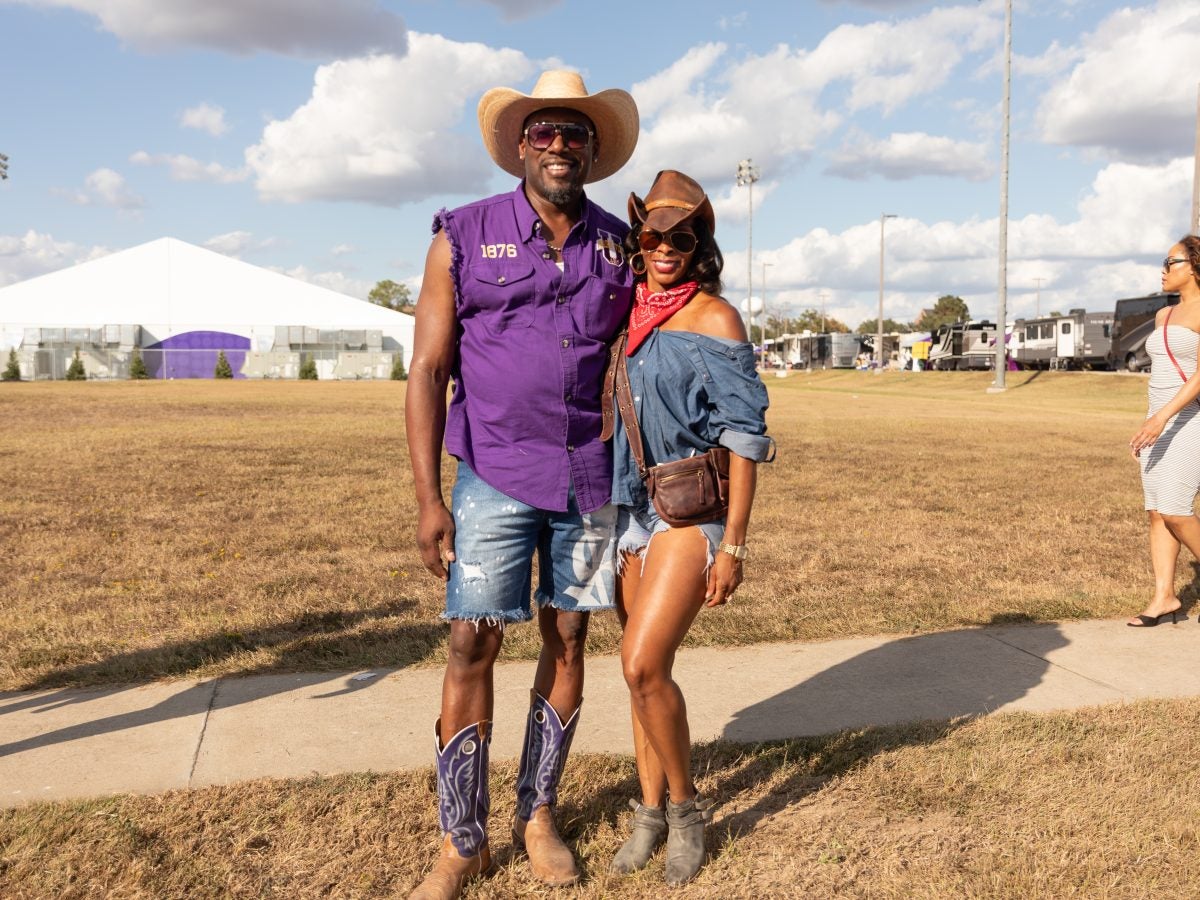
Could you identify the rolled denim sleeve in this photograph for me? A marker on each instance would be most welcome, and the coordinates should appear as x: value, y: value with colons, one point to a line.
x: 738, y: 403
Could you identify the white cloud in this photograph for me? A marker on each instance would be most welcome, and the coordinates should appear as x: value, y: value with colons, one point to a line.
x: 237, y: 243
x: 1124, y: 224
x: 185, y: 168
x: 512, y: 10
x: 335, y: 281
x: 1133, y: 92
x: 32, y: 254
x: 904, y: 155
x: 104, y: 187
x: 205, y: 117
x: 342, y: 250
x: 380, y: 130
x: 707, y: 109
x: 306, y: 28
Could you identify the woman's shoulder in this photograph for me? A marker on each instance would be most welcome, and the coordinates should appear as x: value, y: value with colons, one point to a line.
x: 716, y: 317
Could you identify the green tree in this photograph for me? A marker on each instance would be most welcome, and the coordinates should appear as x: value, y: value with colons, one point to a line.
x: 308, y: 370
x: 399, y: 373
x: 12, y: 372
x: 948, y: 310
x: 871, y: 326
x: 137, y: 366
x: 391, y: 295
x: 223, y: 369
x: 812, y: 320
x: 76, y: 371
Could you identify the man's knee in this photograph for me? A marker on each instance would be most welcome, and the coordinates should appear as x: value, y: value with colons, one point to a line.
x: 566, y: 632
x: 473, y: 647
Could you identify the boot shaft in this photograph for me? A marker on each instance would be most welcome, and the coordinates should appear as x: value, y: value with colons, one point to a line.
x: 462, y: 778
x: 547, y: 742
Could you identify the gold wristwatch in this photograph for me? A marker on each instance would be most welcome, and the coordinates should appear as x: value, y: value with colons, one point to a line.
x: 737, y: 551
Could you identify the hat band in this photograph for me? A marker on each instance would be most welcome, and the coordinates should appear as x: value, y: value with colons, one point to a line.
x: 673, y: 204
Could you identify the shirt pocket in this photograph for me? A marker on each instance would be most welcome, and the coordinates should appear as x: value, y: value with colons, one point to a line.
x: 599, y: 307
x: 501, y: 293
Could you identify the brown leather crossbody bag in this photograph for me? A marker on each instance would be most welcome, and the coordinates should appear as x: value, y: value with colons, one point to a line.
x: 689, y: 491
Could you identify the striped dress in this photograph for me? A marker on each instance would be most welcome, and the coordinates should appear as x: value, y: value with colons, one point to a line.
x: 1171, y: 467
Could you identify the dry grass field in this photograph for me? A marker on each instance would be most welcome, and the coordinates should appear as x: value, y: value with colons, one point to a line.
x: 195, y: 528
x: 1093, y: 804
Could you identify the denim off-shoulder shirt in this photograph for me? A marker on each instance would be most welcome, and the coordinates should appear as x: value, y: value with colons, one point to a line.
x: 691, y: 392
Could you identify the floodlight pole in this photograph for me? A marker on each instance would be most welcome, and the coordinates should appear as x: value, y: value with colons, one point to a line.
x: 1038, y: 299
x: 883, y: 217
x: 762, y: 328
x: 1195, y: 224
x: 747, y: 174
x: 1001, y: 363
x: 821, y: 296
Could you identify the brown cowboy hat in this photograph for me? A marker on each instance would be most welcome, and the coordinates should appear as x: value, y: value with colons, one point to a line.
x: 502, y: 112
x: 673, y: 198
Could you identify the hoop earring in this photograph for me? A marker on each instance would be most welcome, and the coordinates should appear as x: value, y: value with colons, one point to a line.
x: 637, y: 263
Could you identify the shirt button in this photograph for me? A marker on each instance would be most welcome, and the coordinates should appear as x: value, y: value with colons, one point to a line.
x: 546, y: 255
x: 500, y: 280
x: 562, y: 299
x: 569, y: 398
x: 570, y: 448
x: 612, y: 296
x: 566, y: 342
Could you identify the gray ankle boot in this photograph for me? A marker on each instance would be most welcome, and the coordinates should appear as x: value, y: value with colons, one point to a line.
x: 685, y: 838
x: 649, y: 830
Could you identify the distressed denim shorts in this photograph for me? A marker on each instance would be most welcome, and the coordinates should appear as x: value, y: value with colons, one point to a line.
x: 636, y: 525
x: 492, y: 573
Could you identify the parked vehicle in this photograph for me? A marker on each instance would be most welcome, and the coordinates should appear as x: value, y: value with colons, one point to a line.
x: 1078, y: 340
x: 1133, y: 320
x: 964, y: 345
x: 844, y: 350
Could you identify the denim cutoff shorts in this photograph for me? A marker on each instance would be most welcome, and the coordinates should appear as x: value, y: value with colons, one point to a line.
x: 636, y: 525
x: 492, y: 573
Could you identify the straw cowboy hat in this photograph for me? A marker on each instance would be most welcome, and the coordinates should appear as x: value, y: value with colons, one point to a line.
x: 502, y: 112
x: 673, y: 198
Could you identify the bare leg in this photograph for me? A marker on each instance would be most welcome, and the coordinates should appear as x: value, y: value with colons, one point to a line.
x: 669, y: 596
x: 559, y: 676
x: 651, y: 776
x: 467, y: 691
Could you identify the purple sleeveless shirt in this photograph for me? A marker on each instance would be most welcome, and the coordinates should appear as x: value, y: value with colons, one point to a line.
x: 525, y: 412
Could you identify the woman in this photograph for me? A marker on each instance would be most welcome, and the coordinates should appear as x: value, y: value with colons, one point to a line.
x: 1171, y: 433
x: 694, y: 387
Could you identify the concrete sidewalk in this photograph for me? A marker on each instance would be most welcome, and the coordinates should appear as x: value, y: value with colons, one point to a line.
x: 73, y: 743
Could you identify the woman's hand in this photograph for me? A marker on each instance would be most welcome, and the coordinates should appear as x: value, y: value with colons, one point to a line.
x: 724, y: 576
x: 1147, y: 434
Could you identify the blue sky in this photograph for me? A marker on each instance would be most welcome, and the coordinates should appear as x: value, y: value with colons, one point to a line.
x: 318, y: 137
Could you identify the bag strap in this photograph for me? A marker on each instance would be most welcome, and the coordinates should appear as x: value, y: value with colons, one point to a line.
x: 616, y: 382
x: 1170, y: 355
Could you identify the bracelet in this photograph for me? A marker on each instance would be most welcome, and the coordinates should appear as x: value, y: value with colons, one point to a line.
x: 737, y: 551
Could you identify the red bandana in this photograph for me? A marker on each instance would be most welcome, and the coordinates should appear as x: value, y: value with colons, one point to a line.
x: 651, y: 310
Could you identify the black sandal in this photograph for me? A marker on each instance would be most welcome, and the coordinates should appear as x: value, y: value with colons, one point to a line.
x: 1177, y: 615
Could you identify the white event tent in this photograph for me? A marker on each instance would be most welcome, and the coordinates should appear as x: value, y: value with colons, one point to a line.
x: 171, y: 296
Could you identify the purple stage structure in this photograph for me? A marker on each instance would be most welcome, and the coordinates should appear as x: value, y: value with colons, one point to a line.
x: 193, y: 354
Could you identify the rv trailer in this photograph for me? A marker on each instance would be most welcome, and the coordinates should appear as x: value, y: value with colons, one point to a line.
x: 1133, y: 320
x: 1078, y: 340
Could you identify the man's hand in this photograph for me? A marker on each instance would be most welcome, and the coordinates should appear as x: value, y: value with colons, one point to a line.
x: 435, y: 539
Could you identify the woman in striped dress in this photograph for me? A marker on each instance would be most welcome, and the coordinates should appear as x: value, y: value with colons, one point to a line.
x: 1168, y: 443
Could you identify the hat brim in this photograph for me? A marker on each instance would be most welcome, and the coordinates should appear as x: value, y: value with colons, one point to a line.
x: 502, y: 112
x: 664, y: 218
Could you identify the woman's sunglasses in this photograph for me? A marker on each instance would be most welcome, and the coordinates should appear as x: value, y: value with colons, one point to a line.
x: 683, y: 241
x: 1172, y: 261
x: 540, y: 135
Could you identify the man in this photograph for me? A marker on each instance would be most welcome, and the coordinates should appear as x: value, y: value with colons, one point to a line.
x: 520, y: 296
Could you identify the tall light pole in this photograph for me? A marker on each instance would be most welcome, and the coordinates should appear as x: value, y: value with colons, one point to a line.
x: 747, y: 174
x: 883, y: 217
x: 1195, y: 225
x: 1038, y: 299
x: 762, y: 329
x: 1002, y: 287
x: 821, y: 296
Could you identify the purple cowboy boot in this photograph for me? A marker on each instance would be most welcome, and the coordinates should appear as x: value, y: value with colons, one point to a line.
x: 463, y: 804
x: 547, y: 741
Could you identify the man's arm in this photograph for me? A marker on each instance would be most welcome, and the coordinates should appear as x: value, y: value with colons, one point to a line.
x: 425, y: 406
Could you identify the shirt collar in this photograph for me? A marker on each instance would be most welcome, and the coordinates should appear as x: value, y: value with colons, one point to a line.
x: 527, y: 219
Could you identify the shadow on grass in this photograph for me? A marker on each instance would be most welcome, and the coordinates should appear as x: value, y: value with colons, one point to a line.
x: 911, y: 691
x: 314, y: 641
